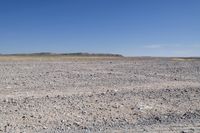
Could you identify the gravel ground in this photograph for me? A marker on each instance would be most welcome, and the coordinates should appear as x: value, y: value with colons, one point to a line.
x: 124, y: 95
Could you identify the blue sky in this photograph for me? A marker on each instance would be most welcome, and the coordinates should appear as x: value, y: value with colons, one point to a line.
x: 128, y: 27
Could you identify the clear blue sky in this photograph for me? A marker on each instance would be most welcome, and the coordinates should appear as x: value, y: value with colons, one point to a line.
x: 128, y: 27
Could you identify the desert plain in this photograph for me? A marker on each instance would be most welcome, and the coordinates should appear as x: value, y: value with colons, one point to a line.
x: 99, y: 94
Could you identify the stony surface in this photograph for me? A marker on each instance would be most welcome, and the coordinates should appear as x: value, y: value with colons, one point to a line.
x: 125, y: 95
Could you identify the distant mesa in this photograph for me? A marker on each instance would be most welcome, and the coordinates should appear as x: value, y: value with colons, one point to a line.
x: 65, y: 54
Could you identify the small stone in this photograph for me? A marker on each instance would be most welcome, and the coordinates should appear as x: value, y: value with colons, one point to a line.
x: 157, y: 119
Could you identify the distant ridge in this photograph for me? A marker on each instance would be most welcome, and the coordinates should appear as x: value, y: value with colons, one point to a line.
x: 63, y: 54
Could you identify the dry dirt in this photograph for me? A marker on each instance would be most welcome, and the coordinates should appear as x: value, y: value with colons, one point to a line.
x: 111, y: 95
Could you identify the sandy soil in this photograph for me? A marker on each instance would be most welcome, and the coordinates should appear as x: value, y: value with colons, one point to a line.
x: 123, y: 95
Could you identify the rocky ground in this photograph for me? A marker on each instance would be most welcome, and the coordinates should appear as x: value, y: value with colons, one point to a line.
x: 121, y: 95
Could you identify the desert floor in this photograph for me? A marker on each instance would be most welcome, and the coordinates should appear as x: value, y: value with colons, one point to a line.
x: 100, y: 95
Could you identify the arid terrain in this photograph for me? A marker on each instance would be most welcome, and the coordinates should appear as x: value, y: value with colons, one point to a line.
x: 99, y: 94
